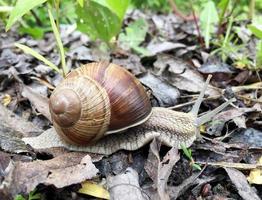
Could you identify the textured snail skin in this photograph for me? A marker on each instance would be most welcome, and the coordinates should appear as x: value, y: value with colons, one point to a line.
x: 169, y: 127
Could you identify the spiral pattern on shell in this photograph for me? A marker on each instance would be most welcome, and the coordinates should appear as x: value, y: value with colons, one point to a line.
x: 97, y: 99
x: 88, y: 110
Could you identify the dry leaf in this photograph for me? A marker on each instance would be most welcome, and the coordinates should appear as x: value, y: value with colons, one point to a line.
x: 64, y: 170
x: 181, y: 74
x: 255, y: 175
x: 38, y: 101
x: 176, y: 191
x: 165, y: 94
x: 12, y: 128
x: 237, y: 114
x: 151, y: 165
x: 240, y: 181
x: 94, y: 190
x: 6, y: 99
x: 164, y: 171
x: 17, y: 124
x: 125, y: 186
x: 159, y: 171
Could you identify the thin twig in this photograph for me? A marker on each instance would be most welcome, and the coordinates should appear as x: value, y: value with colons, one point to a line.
x: 192, y: 102
x: 200, y: 38
x: 240, y: 166
x: 37, y: 19
x: 178, y: 13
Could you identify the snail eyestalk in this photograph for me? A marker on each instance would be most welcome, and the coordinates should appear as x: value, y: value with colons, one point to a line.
x: 111, y: 98
x: 205, y: 118
x: 199, y: 100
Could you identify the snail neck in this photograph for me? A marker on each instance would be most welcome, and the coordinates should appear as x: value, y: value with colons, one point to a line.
x: 165, y: 120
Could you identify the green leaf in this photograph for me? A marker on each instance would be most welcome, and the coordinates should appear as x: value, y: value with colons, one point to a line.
x: 223, y: 5
x: 186, y: 151
x: 208, y: 20
x: 32, y: 52
x: 141, y: 50
x: 81, y: 2
x: 21, y: 8
x: 256, y: 30
x: 6, y: 8
x: 259, y: 55
x: 36, y: 33
x: 98, y: 21
x: 196, y: 166
x: 33, y: 195
x: 59, y: 42
x: 119, y: 7
x: 19, y: 197
x: 134, y: 35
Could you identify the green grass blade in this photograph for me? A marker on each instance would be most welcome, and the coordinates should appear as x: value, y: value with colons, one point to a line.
x: 208, y: 20
x: 81, y: 2
x: 21, y: 8
x: 6, y: 8
x: 32, y: 52
x: 59, y: 42
x: 256, y: 30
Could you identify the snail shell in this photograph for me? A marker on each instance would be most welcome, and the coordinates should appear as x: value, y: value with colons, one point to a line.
x: 97, y: 99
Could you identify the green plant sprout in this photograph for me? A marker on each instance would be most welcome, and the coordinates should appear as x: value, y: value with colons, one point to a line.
x: 32, y: 52
x: 188, y: 154
x: 134, y: 35
x: 101, y: 20
x: 33, y: 195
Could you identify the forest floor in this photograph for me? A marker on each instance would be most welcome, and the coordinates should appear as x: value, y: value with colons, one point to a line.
x: 173, y: 68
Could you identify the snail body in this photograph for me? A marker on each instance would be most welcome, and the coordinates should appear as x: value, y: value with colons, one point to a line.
x: 102, y: 108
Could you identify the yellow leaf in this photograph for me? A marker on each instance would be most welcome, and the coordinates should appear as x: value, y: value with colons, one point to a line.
x: 94, y: 190
x: 6, y: 99
x: 240, y: 65
x: 255, y: 175
x: 202, y: 129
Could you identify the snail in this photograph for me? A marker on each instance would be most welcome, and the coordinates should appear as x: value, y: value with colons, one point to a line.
x: 102, y: 108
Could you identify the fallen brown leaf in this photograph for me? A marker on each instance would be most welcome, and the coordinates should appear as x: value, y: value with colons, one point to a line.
x: 176, y: 191
x: 182, y: 75
x: 21, y: 126
x: 240, y: 181
x: 125, y: 186
x: 39, y: 102
x: 12, y: 129
x: 158, y: 170
x: 64, y: 170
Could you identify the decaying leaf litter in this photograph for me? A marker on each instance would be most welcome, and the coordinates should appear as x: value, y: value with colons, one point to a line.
x: 227, y: 154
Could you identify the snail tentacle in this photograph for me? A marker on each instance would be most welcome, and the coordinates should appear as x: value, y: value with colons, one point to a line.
x: 108, y: 101
x: 199, y: 100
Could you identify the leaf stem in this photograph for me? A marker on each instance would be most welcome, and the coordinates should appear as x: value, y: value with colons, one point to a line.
x: 251, y: 12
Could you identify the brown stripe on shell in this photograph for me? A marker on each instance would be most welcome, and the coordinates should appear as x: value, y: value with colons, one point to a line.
x: 130, y: 105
